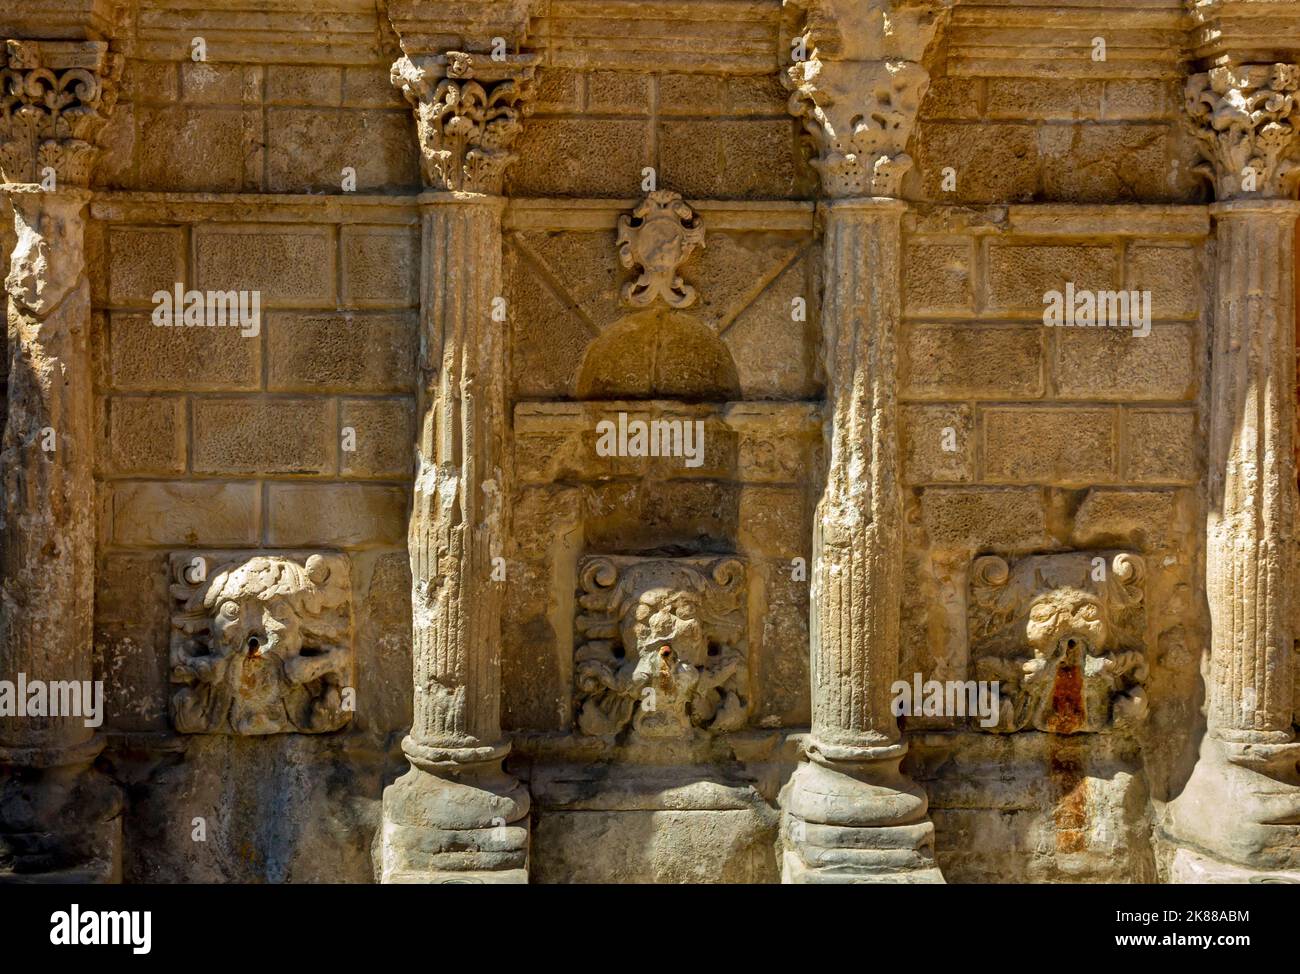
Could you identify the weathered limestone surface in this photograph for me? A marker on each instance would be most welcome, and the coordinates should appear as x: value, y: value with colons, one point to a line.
x: 852, y: 778
x: 858, y: 94
x: 57, y: 817
x: 639, y: 395
x: 1242, y: 804
x: 1240, y: 810
x: 456, y: 812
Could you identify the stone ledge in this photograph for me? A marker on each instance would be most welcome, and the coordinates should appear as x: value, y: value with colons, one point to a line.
x: 1072, y: 220
x: 134, y: 207
x: 1053, y: 40
x: 550, y: 417
x: 603, y: 214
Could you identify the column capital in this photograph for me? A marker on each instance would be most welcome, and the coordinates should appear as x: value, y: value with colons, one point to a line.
x: 469, y: 109
x: 856, y: 83
x: 1246, y: 118
x: 55, y: 98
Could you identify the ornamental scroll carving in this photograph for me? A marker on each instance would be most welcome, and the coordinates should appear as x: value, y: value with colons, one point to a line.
x: 469, y: 109
x: 661, y: 646
x: 55, y: 98
x: 1245, y: 118
x: 1064, y: 636
x: 658, y: 237
x: 260, y: 644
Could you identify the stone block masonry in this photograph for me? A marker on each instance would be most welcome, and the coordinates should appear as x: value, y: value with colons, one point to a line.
x: 980, y: 318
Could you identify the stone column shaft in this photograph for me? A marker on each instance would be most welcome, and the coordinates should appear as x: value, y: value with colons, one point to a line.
x: 59, y: 819
x: 1250, y: 534
x: 458, y: 520
x: 851, y: 815
x: 47, y: 535
x: 456, y: 816
x: 857, y: 556
x: 1240, y: 810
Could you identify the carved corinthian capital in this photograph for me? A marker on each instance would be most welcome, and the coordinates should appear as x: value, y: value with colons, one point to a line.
x: 1246, y: 118
x: 55, y: 97
x: 469, y: 110
x: 859, y: 86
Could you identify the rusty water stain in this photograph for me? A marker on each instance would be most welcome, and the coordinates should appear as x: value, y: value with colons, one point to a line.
x: 1070, y: 812
x: 1065, y: 761
x: 250, y: 673
x: 1067, y: 700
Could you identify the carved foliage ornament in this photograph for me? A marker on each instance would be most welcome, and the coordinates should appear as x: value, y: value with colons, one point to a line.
x: 857, y: 86
x: 1245, y: 118
x: 859, y: 117
x: 659, y: 235
x: 469, y: 110
x: 260, y: 644
x: 661, y: 646
x: 1063, y: 635
x: 54, y: 100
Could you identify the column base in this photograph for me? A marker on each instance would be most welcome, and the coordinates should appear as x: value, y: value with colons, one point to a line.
x: 1194, y: 869
x: 455, y: 817
x: 60, y: 819
x: 1241, y: 807
x: 856, y: 821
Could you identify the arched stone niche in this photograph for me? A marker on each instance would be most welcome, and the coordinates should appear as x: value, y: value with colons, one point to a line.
x: 658, y: 354
x: 749, y: 497
x: 741, y: 495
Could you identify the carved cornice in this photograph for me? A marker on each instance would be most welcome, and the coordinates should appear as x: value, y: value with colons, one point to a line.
x: 74, y: 20
x: 859, y: 89
x: 468, y: 25
x: 1244, y: 31
x: 1054, y: 39
x: 469, y: 109
x: 55, y: 98
x: 1245, y: 118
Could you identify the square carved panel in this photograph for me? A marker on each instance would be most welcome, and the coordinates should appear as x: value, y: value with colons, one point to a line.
x: 261, y: 643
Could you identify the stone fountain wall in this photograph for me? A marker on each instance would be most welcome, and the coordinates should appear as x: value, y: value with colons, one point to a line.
x: 386, y: 589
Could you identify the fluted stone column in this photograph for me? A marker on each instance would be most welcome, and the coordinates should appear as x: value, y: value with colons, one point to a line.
x: 456, y: 815
x: 850, y: 815
x: 1242, y: 805
x: 64, y: 92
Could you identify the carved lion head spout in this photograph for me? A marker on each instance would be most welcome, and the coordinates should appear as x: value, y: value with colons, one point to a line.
x: 661, y: 646
x: 261, y: 644
x: 1066, y: 623
x: 1062, y: 635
